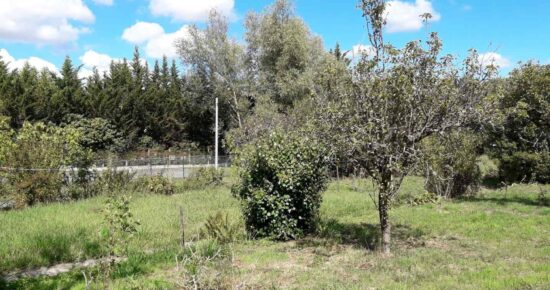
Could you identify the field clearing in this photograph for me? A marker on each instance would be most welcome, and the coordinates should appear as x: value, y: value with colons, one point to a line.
x: 498, y: 240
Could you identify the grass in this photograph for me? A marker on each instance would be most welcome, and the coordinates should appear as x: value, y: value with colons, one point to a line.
x: 497, y: 240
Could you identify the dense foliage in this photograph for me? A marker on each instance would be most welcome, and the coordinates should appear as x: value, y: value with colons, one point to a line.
x: 450, y: 164
x: 36, y: 165
x: 281, y: 180
x: 522, y: 139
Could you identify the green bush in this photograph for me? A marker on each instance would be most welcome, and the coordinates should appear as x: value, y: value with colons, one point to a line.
x: 281, y: 180
x: 521, y: 142
x: 37, y: 159
x: 97, y: 133
x: 524, y: 166
x: 156, y: 184
x: 209, y: 175
x: 450, y: 165
x: 112, y: 179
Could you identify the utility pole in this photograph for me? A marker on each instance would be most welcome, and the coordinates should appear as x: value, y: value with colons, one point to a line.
x: 216, y: 140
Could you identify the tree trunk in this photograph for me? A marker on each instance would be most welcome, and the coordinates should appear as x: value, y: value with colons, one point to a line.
x: 385, y: 227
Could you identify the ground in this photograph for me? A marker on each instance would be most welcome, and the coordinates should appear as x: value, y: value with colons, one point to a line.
x: 497, y: 240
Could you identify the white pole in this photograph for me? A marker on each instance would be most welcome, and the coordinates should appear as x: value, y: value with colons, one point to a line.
x: 216, y: 140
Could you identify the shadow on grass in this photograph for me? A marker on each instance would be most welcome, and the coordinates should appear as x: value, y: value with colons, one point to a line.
x: 56, y: 247
x: 361, y: 235
x: 505, y: 200
x: 492, y: 182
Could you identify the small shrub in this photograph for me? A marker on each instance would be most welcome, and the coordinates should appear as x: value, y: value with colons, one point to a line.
x: 120, y: 226
x: 415, y: 198
x: 200, y: 261
x: 281, y: 180
x: 112, y: 179
x: 37, y: 187
x: 218, y: 227
x: 450, y: 165
x: 209, y: 175
x: 203, y: 177
x: 156, y: 184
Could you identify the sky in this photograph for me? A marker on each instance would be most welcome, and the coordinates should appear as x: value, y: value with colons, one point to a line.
x: 95, y: 32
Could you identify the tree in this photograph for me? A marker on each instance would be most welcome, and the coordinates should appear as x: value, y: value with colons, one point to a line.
x: 400, y: 97
x: 218, y: 60
x: 282, y: 54
x: 69, y: 96
x: 522, y: 141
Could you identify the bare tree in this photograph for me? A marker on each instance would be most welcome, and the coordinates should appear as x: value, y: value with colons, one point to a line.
x: 399, y: 98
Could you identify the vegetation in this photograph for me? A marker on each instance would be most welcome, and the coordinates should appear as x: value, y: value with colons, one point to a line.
x: 34, y: 161
x: 450, y: 168
x: 423, y: 134
x: 521, y: 143
x: 450, y: 244
x: 281, y: 180
x: 401, y: 97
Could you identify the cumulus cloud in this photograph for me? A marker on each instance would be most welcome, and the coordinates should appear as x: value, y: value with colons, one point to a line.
x: 405, y: 16
x: 361, y: 49
x: 36, y: 62
x: 92, y: 59
x: 43, y: 21
x: 190, y: 10
x: 156, y: 41
x: 141, y: 32
x: 493, y: 58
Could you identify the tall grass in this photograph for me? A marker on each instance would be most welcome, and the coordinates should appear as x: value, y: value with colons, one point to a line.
x: 496, y: 240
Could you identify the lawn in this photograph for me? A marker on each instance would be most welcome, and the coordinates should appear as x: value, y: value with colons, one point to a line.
x: 497, y: 240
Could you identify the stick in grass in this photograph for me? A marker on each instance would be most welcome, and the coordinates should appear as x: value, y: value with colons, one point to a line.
x: 182, y: 227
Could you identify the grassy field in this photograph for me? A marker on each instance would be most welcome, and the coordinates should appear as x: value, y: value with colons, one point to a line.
x: 498, y: 240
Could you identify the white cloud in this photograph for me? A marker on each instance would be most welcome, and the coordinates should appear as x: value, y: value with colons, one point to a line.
x: 33, y: 61
x: 404, y: 16
x: 104, y: 2
x: 157, y: 42
x: 141, y: 32
x: 190, y: 10
x: 92, y: 59
x: 43, y: 21
x: 493, y: 58
x: 359, y: 50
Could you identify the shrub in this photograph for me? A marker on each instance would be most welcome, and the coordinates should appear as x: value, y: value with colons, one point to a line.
x: 450, y: 165
x: 37, y: 187
x: 218, y: 227
x: 203, y: 177
x: 281, y: 180
x: 38, y: 157
x: 112, y: 179
x: 522, y: 141
x: 97, y: 133
x: 525, y: 166
x: 209, y: 175
x: 157, y: 185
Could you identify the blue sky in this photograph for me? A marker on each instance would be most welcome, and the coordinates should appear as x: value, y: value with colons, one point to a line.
x: 93, y: 32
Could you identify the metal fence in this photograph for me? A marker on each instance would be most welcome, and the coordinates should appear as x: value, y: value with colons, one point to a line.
x: 173, y: 167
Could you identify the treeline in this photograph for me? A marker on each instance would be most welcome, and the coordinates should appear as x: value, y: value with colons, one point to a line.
x: 145, y: 105
x: 281, y: 64
x: 277, y: 78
